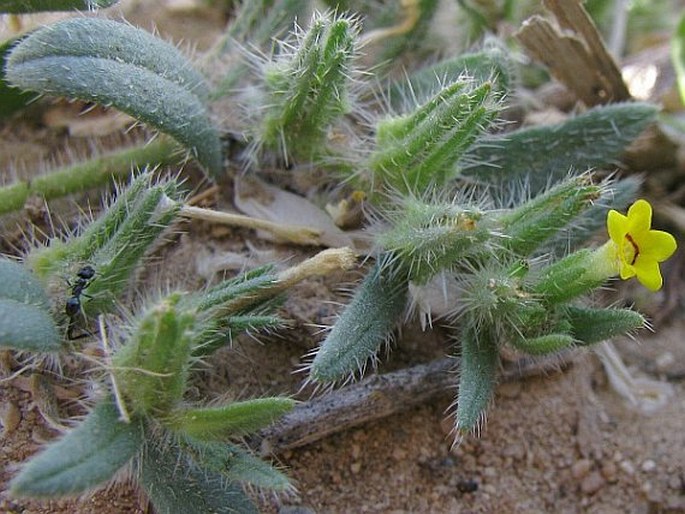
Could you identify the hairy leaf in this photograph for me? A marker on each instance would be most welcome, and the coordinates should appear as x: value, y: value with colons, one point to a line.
x: 84, y: 458
x: 27, y: 327
x: 234, y: 419
x: 116, y: 64
x: 176, y: 485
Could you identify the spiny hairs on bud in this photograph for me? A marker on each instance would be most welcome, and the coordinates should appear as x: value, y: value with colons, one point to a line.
x: 426, y: 237
x: 308, y: 86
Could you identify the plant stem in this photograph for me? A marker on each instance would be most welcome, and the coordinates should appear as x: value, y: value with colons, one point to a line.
x: 75, y: 178
x: 296, y: 234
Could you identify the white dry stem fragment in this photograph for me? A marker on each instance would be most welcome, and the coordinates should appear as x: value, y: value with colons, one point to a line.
x: 412, y: 13
x: 296, y: 234
x: 323, y: 263
x: 645, y: 395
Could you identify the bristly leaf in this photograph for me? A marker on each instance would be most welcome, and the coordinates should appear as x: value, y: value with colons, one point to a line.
x: 29, y: 6
x: 27, y: 327
x: 234, y: 419
x: 567, y: 278
x: 237, y: 465
x: 176, y: 485
x: 308, y: 90
x: 419, y: 151
x: 619, y: 196
x: 114, y: 244
x: 591, y: 326
x: 20, y: 285
x: 152, y: 368
x: 116, y: 64
x: 492, y: 64
x: 543, y: 345
x: 543, y: 155
x: 529, y: 225
x: 365, y: 324
x: 477, y: 377
x: 84, y: 458
x: 429, y: 236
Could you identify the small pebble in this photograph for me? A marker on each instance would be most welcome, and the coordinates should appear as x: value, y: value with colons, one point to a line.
x: 515, y: 451
x: 581, y: 468
x: 592, y: 483
x: 356, y: 467
x: 609, y: 471
x: 489, y: 472
x: 627, y: 467
x: 399, y: 454
x: 664, y: 361
x: 489, y: 489
x: 648, y: 466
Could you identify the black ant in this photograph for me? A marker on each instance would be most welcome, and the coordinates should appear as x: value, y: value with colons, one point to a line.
x: 72, y: 307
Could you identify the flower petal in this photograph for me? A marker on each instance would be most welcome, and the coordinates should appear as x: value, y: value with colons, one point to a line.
x: 627, y: 271
x: 639, y: 217
x: 657, y: 245
x: 649, y: 275
x: 617, y: 225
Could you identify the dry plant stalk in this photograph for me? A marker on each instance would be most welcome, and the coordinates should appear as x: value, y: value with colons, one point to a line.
x: 574, y: 53
x: 380, y: 396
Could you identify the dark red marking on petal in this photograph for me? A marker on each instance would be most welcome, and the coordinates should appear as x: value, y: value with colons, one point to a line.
x: 636, y: 248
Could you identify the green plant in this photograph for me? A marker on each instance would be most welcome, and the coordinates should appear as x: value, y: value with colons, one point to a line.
x: 450, y: 197
x: 142, y: 422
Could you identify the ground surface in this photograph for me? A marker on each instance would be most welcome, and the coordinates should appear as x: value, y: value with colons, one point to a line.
x: 562, y: 442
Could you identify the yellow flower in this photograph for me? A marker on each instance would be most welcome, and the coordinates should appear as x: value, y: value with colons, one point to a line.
x: 638, y: 249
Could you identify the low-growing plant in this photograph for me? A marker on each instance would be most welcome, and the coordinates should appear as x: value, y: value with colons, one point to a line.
x: 140, y: 423
x: 496, y: 218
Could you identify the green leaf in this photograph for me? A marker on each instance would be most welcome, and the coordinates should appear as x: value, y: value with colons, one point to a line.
x: 543, y: 345
x: 477, y: 377
x: 20, y: 285
x: 543, y: 155
x: 27, y: 327
x: 365, y: 324
x: 91, y: 173
x: 591, y: 326
x: 235, y: 419
x: 84, y: 458
x: 489, y: 64
x: 28, y: 6
x: 532, y: 223
x: 588, y: 223
x: 175, y: 485
x: 116, y: 64
x: 429, y: 236
x: 420, y: 150
x: 152, y: 368
x: 238, y: 465
x: 307, y: 91
x: 568, y: 278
